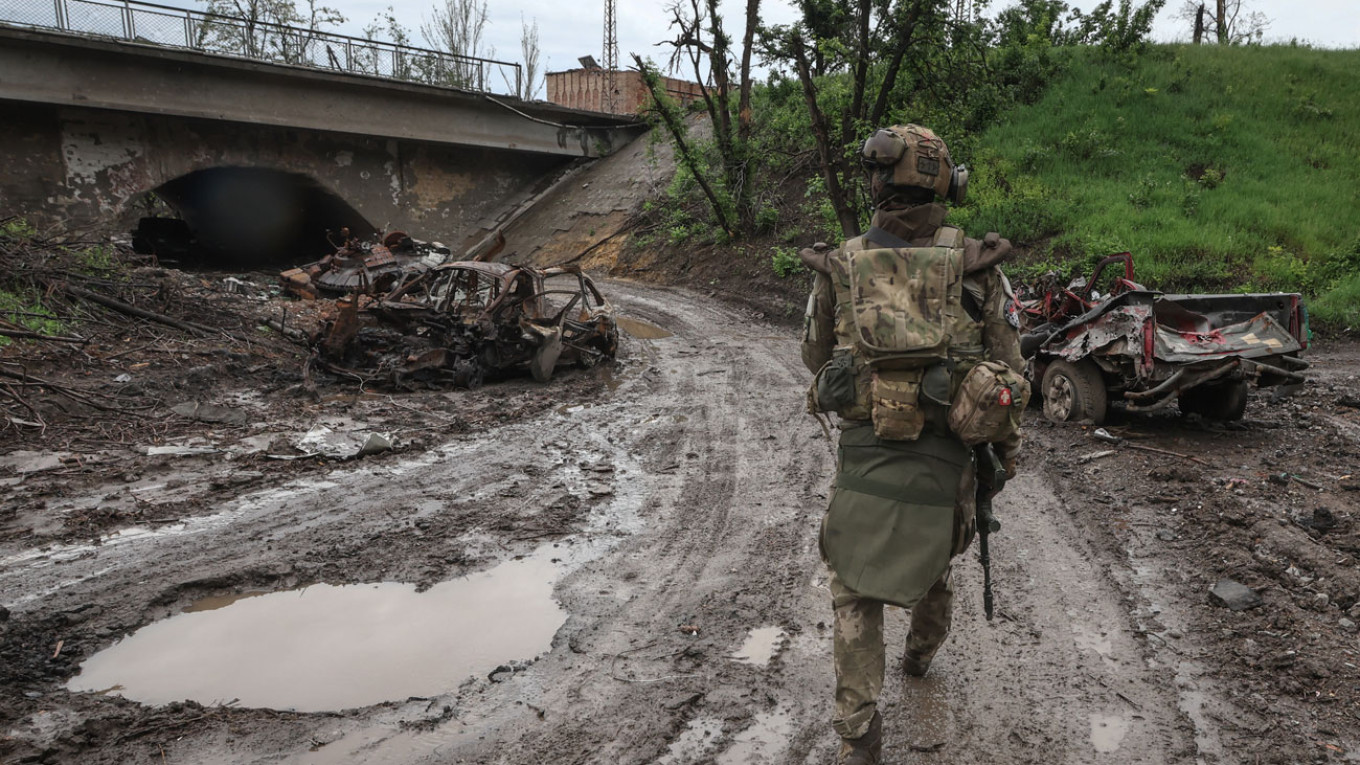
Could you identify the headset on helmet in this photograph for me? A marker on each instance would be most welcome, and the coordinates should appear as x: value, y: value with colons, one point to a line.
x: 918, y: 158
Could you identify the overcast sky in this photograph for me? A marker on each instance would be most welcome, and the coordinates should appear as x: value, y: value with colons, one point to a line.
x: 568, y: 30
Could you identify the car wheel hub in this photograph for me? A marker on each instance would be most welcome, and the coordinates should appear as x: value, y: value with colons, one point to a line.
x: 1060, y: 398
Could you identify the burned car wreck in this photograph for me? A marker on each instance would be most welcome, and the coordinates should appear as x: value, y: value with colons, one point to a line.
x: 1087, y: 349
x: 358, y: 266
x: 460, y: 323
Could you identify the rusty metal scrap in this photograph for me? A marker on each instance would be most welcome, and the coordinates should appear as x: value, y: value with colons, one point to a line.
x: 363, y: 267
x: 459, y: 323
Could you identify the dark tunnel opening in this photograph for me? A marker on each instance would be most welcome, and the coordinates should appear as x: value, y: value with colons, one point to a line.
x: 247, y: 217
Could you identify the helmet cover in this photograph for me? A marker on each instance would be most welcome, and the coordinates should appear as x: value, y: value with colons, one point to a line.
x: 917, y: 157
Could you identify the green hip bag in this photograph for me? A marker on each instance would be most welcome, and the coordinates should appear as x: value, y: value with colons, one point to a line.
x: 889, y: 531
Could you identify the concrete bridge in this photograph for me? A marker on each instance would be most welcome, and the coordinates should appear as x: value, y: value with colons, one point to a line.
x: 274, y: 153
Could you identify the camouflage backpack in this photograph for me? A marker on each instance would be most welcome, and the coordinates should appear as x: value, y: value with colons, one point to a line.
x: 901, y: 325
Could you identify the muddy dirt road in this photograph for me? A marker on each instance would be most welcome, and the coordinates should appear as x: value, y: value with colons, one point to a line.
x: 621, y: 567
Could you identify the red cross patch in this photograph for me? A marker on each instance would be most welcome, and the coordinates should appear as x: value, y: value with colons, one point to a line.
x: 1004, y: 398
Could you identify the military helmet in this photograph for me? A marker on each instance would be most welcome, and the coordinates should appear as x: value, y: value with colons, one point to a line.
x: 912, y: 156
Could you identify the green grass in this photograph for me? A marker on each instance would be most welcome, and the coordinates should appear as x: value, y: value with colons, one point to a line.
x: 1227, y: 169
x: 25, y: 310
x: 22, y: 306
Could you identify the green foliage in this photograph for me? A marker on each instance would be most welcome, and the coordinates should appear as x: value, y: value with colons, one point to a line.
x: 1226, y: 183
x: 1210, y: 178
x: 766, y: 218
x: 25, y: 309
x: 819, y: 213
x: 1340, y: 307
x: 959, y: 77
x: 1306, y: 107
x: 96, y: 260
x: 16, y: 228
x: 786, y: 262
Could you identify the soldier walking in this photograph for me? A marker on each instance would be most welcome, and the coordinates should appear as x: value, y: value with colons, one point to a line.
x: 908, y: 337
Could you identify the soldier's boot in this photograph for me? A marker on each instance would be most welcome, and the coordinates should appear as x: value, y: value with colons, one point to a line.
x: 915, y: 664
x: 865, y: 750
x: 929, y: 627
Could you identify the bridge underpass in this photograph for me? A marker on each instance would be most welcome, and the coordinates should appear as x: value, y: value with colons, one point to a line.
x: 88, y: 127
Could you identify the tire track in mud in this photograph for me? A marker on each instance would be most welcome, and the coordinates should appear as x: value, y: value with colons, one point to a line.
x: 716, y: 485
x: 1062, y: 674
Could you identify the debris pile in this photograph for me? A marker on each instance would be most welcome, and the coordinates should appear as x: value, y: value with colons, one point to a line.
x: 84, y: 328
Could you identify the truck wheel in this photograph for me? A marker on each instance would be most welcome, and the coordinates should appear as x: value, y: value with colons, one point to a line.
x: 1223, y: 401
x: 1074, y: 392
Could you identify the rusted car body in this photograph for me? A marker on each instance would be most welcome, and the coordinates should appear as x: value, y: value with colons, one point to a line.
x: 459, y: 323
x: 363, y: 267
x: 1151, y: 349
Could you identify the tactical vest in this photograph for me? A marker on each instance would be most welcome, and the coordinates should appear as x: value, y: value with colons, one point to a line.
x: 901, y: 325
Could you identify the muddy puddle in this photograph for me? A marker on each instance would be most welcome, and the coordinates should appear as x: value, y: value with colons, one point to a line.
x: 1108, y: 732
x: 760, y: 646
x: 325, y: 648
x: 763, y: 741
x: 641, y: 329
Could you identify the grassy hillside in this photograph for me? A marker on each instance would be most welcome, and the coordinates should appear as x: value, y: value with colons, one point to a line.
x: 1230, y: 169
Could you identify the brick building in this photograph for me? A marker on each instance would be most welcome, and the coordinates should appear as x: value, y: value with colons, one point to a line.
x: 585, y: 89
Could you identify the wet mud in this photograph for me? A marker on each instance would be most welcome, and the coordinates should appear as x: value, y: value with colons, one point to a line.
x: 621, y: 567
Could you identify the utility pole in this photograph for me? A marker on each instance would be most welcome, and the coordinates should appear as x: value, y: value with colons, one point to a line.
x: 611, y: 57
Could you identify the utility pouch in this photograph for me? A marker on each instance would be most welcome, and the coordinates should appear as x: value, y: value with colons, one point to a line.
x: 894, y: 396
x: 833, y: 387
x: 989, y: 404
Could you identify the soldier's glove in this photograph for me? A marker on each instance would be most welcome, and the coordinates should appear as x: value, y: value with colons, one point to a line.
x: 1009, y: 465
x: 814, y: 257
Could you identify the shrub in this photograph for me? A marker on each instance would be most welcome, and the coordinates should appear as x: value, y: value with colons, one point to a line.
x: 786, y: 262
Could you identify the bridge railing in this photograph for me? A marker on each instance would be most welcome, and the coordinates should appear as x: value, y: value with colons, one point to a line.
x: 152, y: 24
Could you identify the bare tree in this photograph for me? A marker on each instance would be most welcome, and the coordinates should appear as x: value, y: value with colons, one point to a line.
x: 456, y: 27
x: 272, y: 29
x: 875, y: 40
x: 670, y: 115
x: 385, y: 27
x: 528, y: 46
x: 1228, y: 22
x: 703, y: 44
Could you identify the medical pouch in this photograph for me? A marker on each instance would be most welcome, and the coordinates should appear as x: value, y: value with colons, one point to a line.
x: 989, y: 404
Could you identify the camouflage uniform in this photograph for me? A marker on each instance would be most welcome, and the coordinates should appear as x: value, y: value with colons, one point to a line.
x: 858, y: 620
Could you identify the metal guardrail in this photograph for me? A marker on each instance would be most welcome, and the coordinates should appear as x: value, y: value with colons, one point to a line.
x: 151, y: 24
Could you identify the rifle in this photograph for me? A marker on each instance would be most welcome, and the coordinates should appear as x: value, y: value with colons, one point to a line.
x: 991, y: 479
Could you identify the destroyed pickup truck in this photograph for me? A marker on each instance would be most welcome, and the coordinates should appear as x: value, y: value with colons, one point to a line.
x: 1148, y: 349
x: 459, y: 323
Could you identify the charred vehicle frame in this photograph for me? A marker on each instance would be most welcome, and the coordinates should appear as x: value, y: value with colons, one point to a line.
x: 459, y: 323
x: 1152, y: 349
